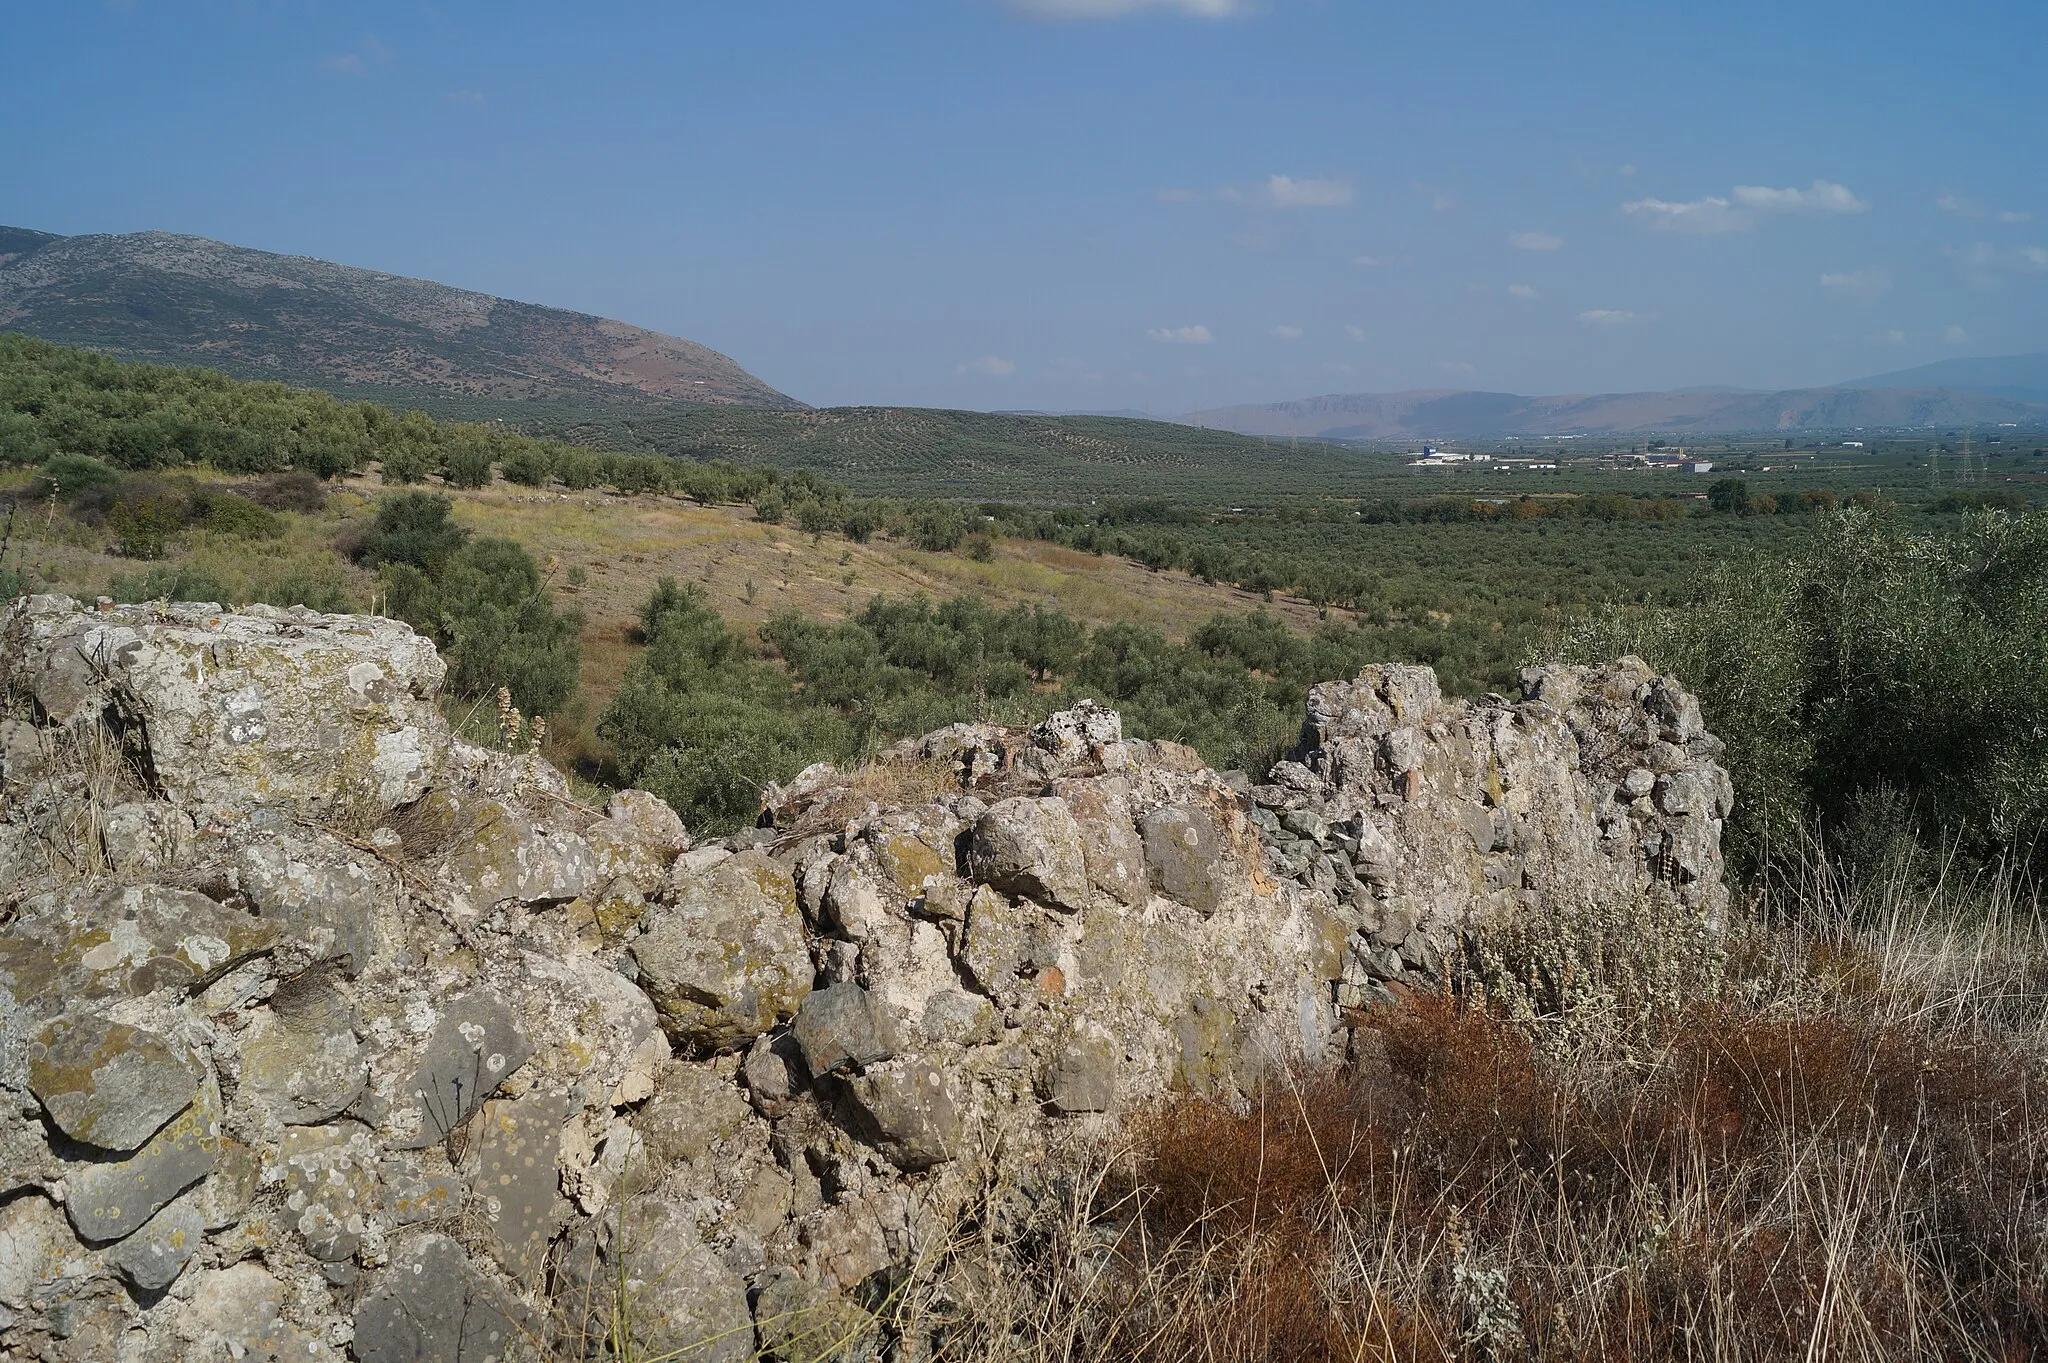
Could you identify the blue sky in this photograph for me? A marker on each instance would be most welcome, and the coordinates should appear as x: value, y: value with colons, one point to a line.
x: 1096, y: 204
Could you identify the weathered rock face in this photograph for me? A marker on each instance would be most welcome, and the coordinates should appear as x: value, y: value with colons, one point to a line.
x: 1425, y: 817
x: 426, y: 1067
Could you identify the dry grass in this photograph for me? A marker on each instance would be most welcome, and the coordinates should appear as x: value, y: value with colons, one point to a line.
x: 1837, y: 1155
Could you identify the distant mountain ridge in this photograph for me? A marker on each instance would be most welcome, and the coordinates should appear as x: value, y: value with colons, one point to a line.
x: 2023, y: 378
x: 190, y: 300
x: 1458, y: 414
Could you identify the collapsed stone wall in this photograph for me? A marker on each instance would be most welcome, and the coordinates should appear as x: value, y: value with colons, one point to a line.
x: 326, y: 1035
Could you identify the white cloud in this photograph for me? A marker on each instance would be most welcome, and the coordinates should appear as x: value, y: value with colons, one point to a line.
x: 1194, y: 335
x: 1439, y: 201
x: 988, y: 367
x: 1355, y: 333
x: 1119, y: 9
x: 1988, y: 264
x: 1821, y: 198
x: 1859, y: 286
x: 1535, y: 241
x: 1523, y: 292
x: 1709, y: 216
x: 1954, y: 335
x: 1607, y: 317
x: 1284, y: 191
x: 1366, y: 262
x: 1892, y: 337
x: 1970, y: 208
x: 1288, y: 333
x: 366, y: 56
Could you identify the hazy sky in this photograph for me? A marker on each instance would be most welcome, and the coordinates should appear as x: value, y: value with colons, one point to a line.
x: 1155, y: 204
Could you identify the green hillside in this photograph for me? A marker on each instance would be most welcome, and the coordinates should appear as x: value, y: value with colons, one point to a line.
x: 912, y: 451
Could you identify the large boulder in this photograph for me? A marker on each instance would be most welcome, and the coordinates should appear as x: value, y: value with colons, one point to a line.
x: 724, y: 958
x: 1032, y: 846
x: 327, y: 715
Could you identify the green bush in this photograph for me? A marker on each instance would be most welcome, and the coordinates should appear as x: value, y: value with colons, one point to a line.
x: 68, y: 475
x: 494, y: 619
x: 404, y: 466
x: 412, y: 528
x: 1875, y: 668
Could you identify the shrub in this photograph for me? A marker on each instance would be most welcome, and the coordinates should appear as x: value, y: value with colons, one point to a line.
x: 467, y: 465
x: 412, y: 528
x: 404, y: 466
x: 1873, y: 659
x: 68, y: 475
x: 487, y: 608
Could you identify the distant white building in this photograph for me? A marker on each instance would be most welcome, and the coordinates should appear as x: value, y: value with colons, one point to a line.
x: 1852, y: 444
x: 1697, y: 466
x: 1429, y: 456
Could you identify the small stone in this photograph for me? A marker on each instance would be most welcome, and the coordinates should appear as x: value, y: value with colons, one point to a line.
x: 433, y: 1306
x: 694, y: 1108
x: 107, y: 1200
x: 109, y: 1084
x: 144, y: 835
x: 1182, y: 855
x: 300, y: 1057
x: 1083, y: 1079
x: 773, y: 1070
x: 1681, y: 793
x: 726, y: 959
x: 516, y: 1179
x: 1031, y: 846
x: 157, y: 1252
x: 909, y: 1113
x: 842, y: 1027
x: 1638, y: 782
x: 330, y: 1179
x: 476, y: 1047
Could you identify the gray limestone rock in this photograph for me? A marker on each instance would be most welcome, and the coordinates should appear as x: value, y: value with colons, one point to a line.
x: 154, y: 1256
x: 841, y: 1027
x: 144, y: 835
x: 506, y: 855
x: 432, y: 1305
x: 323, y: 896
x: 516, y: 1182
x: 1083, y: 1078
x: 77, y: 946
x: 1111, y: 849
x: 109, y: 1084
x: 1183, y: 854
x: 331, y: 1186
x: 909, y: 1112
x: 725, y: 959
x: 693, y: 1109
x: 684, y: 1301
x: 476, y: 1047
x: 110, y: 1199
x: 237, y: 1313
x: 238, y: 709
x: 300, y: 1057
x: 1032, y: 847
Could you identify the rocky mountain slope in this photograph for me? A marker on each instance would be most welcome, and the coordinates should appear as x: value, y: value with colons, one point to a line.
x: 324, y: 1035
x: 189, y: 300
x: 1450, y: 414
